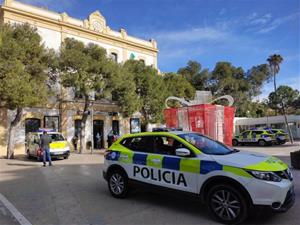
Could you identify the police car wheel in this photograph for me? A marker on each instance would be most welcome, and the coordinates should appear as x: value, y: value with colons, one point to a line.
x: 227, y: 204
x: 235, y: 142
x: 118, y: 184
x: 282, y: 142
x: 28, y: 154
x: 262, y: 143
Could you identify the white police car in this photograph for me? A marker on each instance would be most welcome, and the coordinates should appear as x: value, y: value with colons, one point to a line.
x: 229, y: 181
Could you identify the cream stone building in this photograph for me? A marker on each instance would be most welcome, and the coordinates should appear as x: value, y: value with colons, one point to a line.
x: 64, y: 111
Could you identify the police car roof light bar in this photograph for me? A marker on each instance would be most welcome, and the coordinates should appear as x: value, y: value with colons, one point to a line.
x: 46, y: 129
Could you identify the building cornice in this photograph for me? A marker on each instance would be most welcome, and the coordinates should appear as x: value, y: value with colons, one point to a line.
x: 63, y: 24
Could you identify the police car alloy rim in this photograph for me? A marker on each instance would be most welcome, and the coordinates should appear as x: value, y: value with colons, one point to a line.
x: 226, y: 205
x: 117, y: 184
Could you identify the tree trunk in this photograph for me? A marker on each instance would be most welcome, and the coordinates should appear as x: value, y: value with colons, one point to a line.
x: 85, y: 114
x: 145, y: 121
x: 275, y: 88
x: 11, y: 133
x: 287, y: 124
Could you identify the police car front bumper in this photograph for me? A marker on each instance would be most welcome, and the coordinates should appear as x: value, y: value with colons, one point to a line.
x: 288, y: 202
x: 60, y: 154
x: 279, y: 196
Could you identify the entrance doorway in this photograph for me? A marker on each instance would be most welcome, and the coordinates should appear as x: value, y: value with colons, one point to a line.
x: 115, y: 127
x: 98, y: 132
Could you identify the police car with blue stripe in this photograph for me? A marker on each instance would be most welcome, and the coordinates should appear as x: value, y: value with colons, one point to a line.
x: 228, y: 181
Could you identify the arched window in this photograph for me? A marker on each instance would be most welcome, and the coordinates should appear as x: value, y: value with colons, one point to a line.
x: 32, y: 125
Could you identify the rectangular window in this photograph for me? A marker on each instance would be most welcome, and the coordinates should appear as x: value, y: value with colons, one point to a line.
x: 115, y: 127
x: 77, y: 128
x: 114, y: 56
x: 51, y: 122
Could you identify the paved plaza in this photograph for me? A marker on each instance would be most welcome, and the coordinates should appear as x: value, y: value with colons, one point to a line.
x: 74, y: 192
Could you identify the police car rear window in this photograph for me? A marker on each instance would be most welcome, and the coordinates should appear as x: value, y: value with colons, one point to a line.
x: 139, y: 144
x: 153, y: 144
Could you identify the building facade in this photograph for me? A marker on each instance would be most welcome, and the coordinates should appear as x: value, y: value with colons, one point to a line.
x: 64, y: 111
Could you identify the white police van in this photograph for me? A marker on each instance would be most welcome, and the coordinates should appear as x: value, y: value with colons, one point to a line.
x: 228, y: 181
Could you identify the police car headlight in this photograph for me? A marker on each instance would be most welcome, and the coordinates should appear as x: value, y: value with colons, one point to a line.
x: 268, y: 176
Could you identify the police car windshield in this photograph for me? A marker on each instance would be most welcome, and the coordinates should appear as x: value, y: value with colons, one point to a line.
x: 56, y: 137
x: 207, y: 145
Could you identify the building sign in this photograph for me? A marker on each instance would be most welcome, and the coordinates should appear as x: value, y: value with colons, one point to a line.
x: 135, y: 125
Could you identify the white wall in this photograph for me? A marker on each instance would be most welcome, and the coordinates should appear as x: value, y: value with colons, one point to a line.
x: 148, y: 59
x: 103, y: 45
x: 51, y: 38
x: 20, y: 129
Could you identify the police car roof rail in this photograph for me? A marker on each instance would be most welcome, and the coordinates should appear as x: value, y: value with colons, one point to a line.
x: 46, y: 129
x: 163, y: 129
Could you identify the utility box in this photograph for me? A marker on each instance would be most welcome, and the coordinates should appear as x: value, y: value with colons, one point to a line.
x: 214, y: 121
x: 295, y: 159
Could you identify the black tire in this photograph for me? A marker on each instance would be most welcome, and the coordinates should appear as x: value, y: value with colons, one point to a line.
x: 227, y: 204
x: 118, y: 183
x: 28, y: 154
x: 262, y: 143
x: 235, y: 142
x: 282, y: 142
x: 66, y: 157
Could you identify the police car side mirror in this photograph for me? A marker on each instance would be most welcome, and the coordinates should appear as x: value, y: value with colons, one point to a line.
x: 182, y: 152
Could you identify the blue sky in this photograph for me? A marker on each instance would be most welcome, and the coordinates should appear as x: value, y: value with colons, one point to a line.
x: 244, y: 32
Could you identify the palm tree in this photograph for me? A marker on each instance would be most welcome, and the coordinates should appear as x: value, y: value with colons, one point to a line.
x: 274, y: 63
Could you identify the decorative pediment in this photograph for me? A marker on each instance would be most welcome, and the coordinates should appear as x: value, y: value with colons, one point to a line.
x: 97, y: 22
x: 7, y: 2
